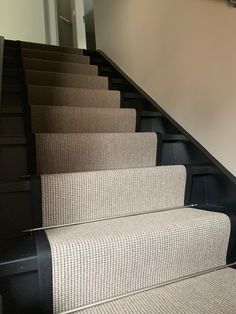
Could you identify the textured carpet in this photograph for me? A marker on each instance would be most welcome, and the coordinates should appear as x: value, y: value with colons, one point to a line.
x: 65, y: 79
x: 57, y: 66
x: 77, y: 97
x: 213, y: 293
x: 55, y: 56
x: 97, y: 261
x: 53, y: 119
x: 73, y: 197
x: 37, y: 46
x: 58, y: 153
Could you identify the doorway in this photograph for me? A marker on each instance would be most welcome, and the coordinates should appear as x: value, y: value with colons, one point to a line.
x: 89, y: 24
x: 65, y: 23
x: 71, y: 23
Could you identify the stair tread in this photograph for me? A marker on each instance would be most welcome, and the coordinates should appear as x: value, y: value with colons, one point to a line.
x: 126, y: 254
x: 17, y: 185
x: 18, y: 140
x: 133, y: 95
x: 174, y: 137
x: 212, y: 293
x: 11, y: 109
x: 12, y: 88
x: 151, y: 114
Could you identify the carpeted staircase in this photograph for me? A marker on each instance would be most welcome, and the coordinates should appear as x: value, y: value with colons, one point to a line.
x: 116, y: 228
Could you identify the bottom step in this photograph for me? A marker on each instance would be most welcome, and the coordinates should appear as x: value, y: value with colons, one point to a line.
x: 212, y: 293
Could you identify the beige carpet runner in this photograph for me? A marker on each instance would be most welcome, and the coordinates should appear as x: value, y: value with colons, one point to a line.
x: 93, y: 166
x: 55, y: 56
x: 57, y: 66
x: 57, y: 153
x: 98, y: 261
x: 46, y: 119
x: 213, y: 293
x: 65, y: 79
x: 73, y: 197
x: 37, y: 46
x: 75, y: 97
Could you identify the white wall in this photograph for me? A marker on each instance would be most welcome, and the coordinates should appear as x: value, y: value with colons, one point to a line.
x: 182, y: 53
x: 22, y: 20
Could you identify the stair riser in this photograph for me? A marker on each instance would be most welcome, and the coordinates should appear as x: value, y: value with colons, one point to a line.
x: 14, y: 161
x: 51, y: 66
x: 58, y: 153
x: 76, y: 197
x: 49, y: 48
x: 16, y: 209
x: 54, y: 56
x: 12, y: 125
x: 65, y: 80
x: 78, y: 120
x: 47, y: 95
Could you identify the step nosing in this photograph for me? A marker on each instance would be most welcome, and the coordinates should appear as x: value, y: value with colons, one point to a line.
x: 146, y: 289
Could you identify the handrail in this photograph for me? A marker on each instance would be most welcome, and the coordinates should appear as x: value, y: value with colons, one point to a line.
x: 65, y: 19
x: 1, y: 65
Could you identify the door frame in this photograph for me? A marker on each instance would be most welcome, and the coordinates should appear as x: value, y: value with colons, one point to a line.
x: 51, y: 23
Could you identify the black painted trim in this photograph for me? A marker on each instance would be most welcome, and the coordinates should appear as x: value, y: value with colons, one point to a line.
x: 174, y: 138
x: 18, y: 266
x: 44, y: 273
x: 203, y: 170
x: 36, y: 201
x: 32, y: 162
x: 138, y: 119
x: 31, y: 154
x: 1, y: 65
x: 15, y: 186
x: 188, y: 187
x: 159, y: 148
x: 231, y: 254
x: 8, y: 141
x: 150, y: 114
